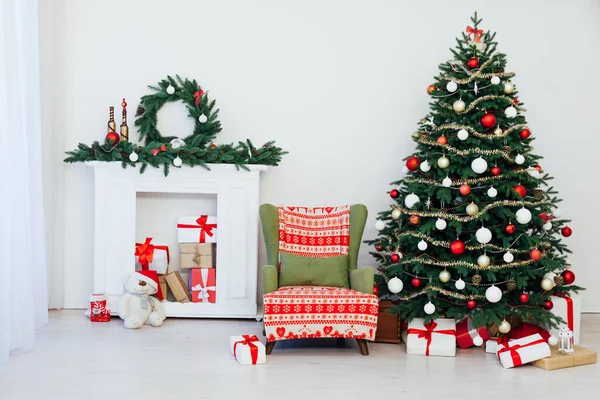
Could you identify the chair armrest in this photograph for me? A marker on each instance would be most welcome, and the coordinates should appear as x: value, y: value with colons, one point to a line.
x: 362, y: 280
x: 270, y: 279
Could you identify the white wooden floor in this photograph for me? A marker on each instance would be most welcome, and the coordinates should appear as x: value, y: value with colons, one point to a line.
x: 190, y: 359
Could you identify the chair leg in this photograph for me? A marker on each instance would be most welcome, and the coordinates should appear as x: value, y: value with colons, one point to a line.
x: 264, y: 332
x: 362, y: 346
x: 269, y: 347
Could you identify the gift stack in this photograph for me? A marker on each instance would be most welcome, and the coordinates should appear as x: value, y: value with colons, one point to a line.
x: 153, y: 257
x: 197, y: 237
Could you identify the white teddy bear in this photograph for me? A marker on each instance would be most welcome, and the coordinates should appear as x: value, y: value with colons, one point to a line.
x: 139, y: 306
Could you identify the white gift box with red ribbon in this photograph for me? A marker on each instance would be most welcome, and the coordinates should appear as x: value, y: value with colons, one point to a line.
x: 491, y: 345
x: 247, y: 349
x: 568, y: 307
x: 199, y: 229
x: 437, y: 338
x: 522, y: 351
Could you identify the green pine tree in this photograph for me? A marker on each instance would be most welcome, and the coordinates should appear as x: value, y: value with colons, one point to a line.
x: 474, y: 227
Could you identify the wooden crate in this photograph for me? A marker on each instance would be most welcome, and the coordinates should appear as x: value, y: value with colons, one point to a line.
x: 581, y: 356
x: 178, y: 287
x: 388, y: 325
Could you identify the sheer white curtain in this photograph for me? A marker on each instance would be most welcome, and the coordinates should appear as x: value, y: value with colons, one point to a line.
x: 23, y: 297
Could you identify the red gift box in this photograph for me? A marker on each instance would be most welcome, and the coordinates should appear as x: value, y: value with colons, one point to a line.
x: 465, y: 333
x: 203, y: 285
x: 526, y: 329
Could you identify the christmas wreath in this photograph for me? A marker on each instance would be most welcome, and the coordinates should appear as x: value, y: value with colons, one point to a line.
x: 166, y: 151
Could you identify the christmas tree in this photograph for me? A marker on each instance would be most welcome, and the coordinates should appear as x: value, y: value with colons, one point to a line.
x: 474, y: 229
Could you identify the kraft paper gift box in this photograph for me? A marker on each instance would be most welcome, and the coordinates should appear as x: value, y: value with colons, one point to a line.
x: 247, y: 349
x: 198, y: 229
x: 437, y: 338
x: 558, y: 360
x: 465, y: 333
x: 197, y: 255
x: 153, y: 257
x: 568, y: 307
x: 178, y: 287
x: 522, y: 351
x: 203, y: 285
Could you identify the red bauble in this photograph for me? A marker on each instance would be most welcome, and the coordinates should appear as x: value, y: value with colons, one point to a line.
x: 568, y: 276
x: 457, y: 247
x: 442, y: 140
x: 510, y: 229
x: 488, y: 120
x: 539, y: 168
x: 520, y: 189
x: 113, y: 138
x: 413, y: 163
x: 516, y: 100
x: 416, y: 282
x: 394, y: 194
x: 375, y: 290
x: 525, y: 133
x: 495, y: 171
x: 524, y: 298
x: 473, y: 63
x: 431, y: 88
x: 471, y: 304
x: 395, y: 257
x: 414, y: 219
x: 566, y: 231
x: 548, y: 305
x: 535, y: 254
x: 464, y: 189
x: 379, y: 247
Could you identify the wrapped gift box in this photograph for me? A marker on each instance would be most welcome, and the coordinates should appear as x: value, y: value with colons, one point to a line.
x: 437, y: 338
x: 202, y: 229
x: 164, y: 286
x: 153, y: 257
x: 178, y: 287
x: 465, y: 333
x: 522, y: 351
x: 491, y: 345
x: 569, y: 309
x: 197, y: 255
x: 203, y: 285
x: 558, y: 360
x: 247, y: 349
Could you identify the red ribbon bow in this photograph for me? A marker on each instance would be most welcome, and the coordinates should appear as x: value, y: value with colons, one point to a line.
x: 248, y: 341
x: 198, y: 95
x: 476, y: 32
x: 145, y: 252
x: 546, y: 217
x: 428, y: 333
x: 159, y: 150
x: 570, y: 312
x: 516, y: 357
x: 205, y: 228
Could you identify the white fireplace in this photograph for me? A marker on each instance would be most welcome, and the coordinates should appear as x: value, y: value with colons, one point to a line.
x: 237, y: 198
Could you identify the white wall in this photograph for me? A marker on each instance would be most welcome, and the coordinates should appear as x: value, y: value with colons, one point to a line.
x: 341, y: 84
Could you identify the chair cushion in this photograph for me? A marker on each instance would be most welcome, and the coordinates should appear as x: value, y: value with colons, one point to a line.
x: 313, y: 271
x: 318, y: 312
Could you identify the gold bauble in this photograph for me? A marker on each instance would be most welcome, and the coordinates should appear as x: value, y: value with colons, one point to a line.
x: 538, y: 194
x: 459, y: 106
x: 498, y: 131
x: 511, y: 285
x: 504, y: 327
x: 476, y: 279
x: 396, y: 214
x: 431, y: 88
x: 559, y: 280
x: 508, y: 87
x: 472, y: 209
x: 443, y: 162
x: 547, y: 284
x: 444, y: 276
x: 483, y: 260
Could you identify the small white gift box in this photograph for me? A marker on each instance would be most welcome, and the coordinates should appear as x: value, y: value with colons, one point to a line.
x: 247, y: 349
x: 153, y: 257
x: 437, y: 338
x: 569, y: 309
x: 491, y: 345
x: 522, y: 351
x: 199, y: 229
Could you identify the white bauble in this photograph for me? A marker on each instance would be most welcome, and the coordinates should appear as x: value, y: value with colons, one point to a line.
x: 508, y: 87
x: 405, y: 170
x: 519, y: 159
x: 425, y: 166
x: 451, y: 86
x: 177, y: 161
x: 492, y: 192
x: 504, y: 327
x: 495, y: 80
x: 459, y: 106
x: 444, y: 276
x: 493, y: 294
x: 510, y: 112
x: 479, y: 165
x: 483, y: 260
x: 463, y: 134
x: 380, y: 225
x: 396, y: 214
x: 429, y: 308
x: 202, y: 118
x: 177, y: 143
x: 170, y: 89
x: 477, y: 340
x: 133, y: 157
x: 547, y: 226
x: 443, y: 162
x: 547, y: 284
x: 422, y: 245
x: 411, y: 200
x: 441, y: 224
x: 447, y: 182
x: 523, y: 216
x: 552, y: 340
x: 460, y: 284
x: 395, y: 285
x: 483, y: 235
x: 508, y: 257
x: 557, y: 213
x: 472, y: 209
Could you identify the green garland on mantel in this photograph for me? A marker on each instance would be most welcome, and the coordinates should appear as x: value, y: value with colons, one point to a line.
x: 195, y: 149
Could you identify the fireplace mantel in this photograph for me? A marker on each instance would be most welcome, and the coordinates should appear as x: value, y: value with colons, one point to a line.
x: 237, y: 193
